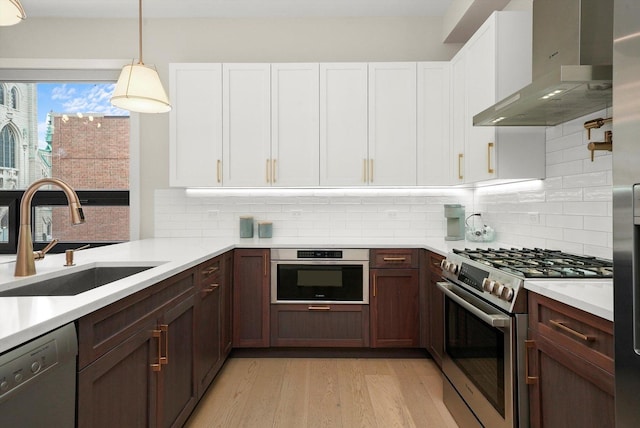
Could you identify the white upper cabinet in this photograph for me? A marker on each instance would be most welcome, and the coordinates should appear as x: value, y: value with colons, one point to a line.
x: 458, y: 118
x: 195, y: 141
x: 434, y: 147
x: 343, y: 124
x: 392, y: 124
x: 496, y: 62
x: 246, y: 112
x: 295, y: 124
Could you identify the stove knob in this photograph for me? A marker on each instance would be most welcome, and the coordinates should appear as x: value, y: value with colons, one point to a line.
x: 497, y: 289
x: 453, y: 268
x: 487, y: 285
x: 444, y: 264
x: 507, y: 294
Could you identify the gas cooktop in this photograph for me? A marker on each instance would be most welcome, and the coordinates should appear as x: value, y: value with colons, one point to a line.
x: 540, y: 263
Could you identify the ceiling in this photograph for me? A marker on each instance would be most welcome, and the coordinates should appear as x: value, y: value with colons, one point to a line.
x: 233, y: 8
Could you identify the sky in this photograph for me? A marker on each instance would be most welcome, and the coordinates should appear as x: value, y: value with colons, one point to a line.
x: 73, y: 98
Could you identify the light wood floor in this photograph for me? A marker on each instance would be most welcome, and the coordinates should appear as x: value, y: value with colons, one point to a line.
x: 324, y: 392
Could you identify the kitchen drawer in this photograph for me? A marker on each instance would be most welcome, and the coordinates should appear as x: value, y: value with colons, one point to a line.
x: 434, y: 260
x: 395, y: 258
x: 582, y: 333
x: 320, y: 325
x: 210, y: 272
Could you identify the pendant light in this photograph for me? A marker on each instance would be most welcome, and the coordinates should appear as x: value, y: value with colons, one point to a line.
x: 139, y: 87
x: 11, y: 12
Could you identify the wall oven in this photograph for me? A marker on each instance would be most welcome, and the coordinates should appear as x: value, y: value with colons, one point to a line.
x: 320, y: 276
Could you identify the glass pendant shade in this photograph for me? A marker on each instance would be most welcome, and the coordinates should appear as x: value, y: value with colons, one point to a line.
x: 11, y: 12
x: 139, y: 89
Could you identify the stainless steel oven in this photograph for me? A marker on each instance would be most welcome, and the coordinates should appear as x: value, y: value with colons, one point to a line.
x: 486, y: 327
x: 320, y: 276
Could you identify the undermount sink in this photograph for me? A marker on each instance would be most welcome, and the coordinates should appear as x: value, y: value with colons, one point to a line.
x: 75, y: 283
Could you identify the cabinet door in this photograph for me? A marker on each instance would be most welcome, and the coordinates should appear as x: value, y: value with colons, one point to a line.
x: 566, y: 390
x: 226, y: 305
x: 251, y: 275
x: 246, y: 128
x: 177, y: 387
x: 434, y: 144
x: 295, y: 124
x: 195, y: 142
x: 343, y: 124
x: 119, y: 389
x: 207, y: 323
x: 480, y: 88
x: 458, y: 115
x: 392, y: 124
x: 435, y: 299
x: 394, y: 308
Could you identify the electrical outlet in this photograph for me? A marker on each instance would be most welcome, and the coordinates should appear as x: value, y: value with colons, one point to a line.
x: 392, y: 213
x: 213, y: 214
x: 534, y: 218
x: 296, y: 213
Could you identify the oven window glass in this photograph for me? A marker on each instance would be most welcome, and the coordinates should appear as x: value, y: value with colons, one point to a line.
x: 339, y: 282
x: 319, y: 278
x: 478, y: 350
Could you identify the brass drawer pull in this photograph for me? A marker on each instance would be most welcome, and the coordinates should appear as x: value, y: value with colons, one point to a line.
x: 460, y: 155
x: 529, y: 380
x: 210, y: 270
x: 489, y: 148
x: 218, y: 169
x: 211, y: 288
x: 320, y: 308
x: 561, y: 326
x: 165, y: 328
x: 395, y: 259
x: 157, y: 334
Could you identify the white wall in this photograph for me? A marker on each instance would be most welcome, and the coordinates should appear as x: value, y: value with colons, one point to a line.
x: 220, y: 40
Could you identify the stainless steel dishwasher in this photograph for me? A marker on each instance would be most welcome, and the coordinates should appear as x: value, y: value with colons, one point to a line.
x: 38, y: 381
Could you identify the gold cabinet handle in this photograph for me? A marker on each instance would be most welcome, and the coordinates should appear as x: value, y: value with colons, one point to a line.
x: 210, y: 270
x: 264, y: 259
x: 370, y: 170
x: 364, y: 170
x: 268, y: 177
x: 211, y: 288
x: 529, y: 380
x: 460, y: 155
x: 319, y: 308
x: 165, y: 329
x: 489, y: 148
x: 157, y: 334
x: 563, y: 327
x: 394, y: 259
x: 375, y: 285
x: 219, y: 171
x: 273, y: 171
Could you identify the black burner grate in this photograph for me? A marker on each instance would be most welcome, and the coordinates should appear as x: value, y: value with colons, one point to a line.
x: 540, y: 263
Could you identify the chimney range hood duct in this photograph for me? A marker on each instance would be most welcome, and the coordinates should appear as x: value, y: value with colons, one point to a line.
x: 572, y: 71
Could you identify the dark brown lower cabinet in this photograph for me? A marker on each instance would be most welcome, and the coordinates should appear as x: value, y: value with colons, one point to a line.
x: 569, y: 367
x: 395, y: 319
x: 341, y: 325
x: 145, y: 381
x: 136, y: 358
x: 435, y: 311
x: 251, y: 291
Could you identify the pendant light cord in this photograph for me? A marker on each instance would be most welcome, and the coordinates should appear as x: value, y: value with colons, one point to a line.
x: 140, y: 30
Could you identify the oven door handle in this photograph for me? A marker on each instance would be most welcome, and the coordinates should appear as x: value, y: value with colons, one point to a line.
x: 493, y: 320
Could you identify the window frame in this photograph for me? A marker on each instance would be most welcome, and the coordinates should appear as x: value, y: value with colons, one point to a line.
x: 81, y: 71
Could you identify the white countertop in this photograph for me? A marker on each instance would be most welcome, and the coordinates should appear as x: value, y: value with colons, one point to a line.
x: 24, y: 318
x: 591, y: 295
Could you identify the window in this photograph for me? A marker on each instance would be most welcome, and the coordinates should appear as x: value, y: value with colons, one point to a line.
x: 67, y: 130
x: 7, y: 147
x: 14, y: 98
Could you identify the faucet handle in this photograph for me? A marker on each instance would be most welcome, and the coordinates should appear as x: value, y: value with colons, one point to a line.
x: 37, y: 255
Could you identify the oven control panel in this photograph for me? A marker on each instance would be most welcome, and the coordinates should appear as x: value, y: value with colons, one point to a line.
x: 319, y: 254
x: 492, y: 284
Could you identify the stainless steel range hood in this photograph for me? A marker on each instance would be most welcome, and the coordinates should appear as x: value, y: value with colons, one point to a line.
x: 572, y: 72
